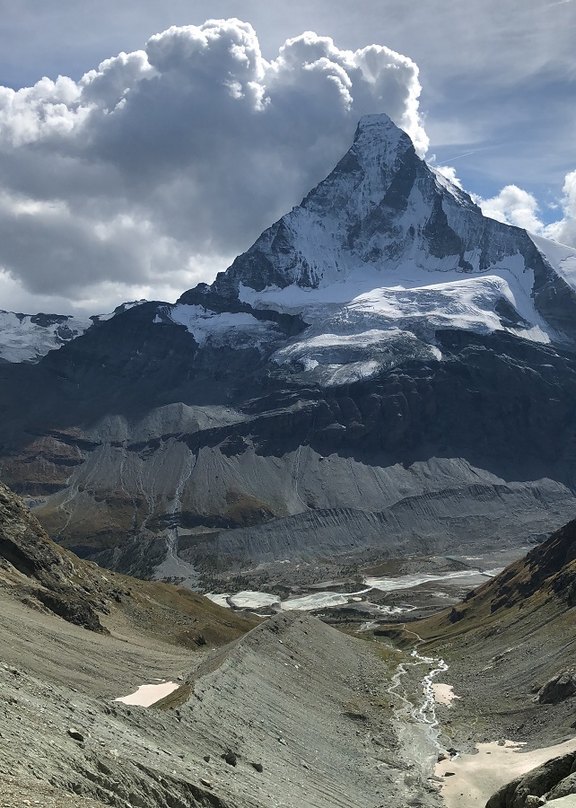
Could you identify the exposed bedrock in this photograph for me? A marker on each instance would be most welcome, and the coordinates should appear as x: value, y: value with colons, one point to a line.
x: 553, y: 780
x: 478, y: 448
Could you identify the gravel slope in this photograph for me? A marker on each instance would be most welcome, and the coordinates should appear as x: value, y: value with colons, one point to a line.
x: 296, y: 698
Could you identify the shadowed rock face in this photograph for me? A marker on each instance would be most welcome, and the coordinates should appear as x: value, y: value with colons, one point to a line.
x: 48, y: 573
x: 439, y: 452
x: 302, y: 403
x: 559, y: 688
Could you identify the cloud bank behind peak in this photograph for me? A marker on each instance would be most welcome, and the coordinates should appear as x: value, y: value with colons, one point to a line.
x: 155, y: 168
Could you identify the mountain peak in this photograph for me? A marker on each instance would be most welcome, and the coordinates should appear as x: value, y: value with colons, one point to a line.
x: 380, y: 131
x: 376, y: 119
x: 381, y: 209
x: 384, y: 220
x: 379, y: 150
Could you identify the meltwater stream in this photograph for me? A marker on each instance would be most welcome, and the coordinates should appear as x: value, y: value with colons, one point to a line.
x: 418, y: 724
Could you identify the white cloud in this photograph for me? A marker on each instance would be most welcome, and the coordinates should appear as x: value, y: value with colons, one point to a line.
x: 160, y: 165
x: 450, y: 173
x: 565, y: 229
x: 516, y: 206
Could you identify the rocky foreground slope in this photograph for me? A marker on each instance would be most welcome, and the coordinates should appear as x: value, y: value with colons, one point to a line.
x: 289, y: 713
x: 47, y: 579
x: 384, y: 368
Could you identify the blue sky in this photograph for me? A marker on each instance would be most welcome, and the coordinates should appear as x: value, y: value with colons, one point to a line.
x: 498, y: 83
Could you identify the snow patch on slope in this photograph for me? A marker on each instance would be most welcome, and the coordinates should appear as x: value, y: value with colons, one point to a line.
x: 561, y: 258
x: 29, y: 337
x: 226, y: 328
x: 358, y: 329
x: 467, y: 303
x: 346, y: 358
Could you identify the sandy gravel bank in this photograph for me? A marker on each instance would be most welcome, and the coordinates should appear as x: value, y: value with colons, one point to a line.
x: 477, y: 776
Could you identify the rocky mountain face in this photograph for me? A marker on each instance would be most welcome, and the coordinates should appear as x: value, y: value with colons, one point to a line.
x: 42, y: 572
x: 385, y: 370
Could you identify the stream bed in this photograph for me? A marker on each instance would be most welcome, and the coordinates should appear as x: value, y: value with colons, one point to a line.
x: 417, y: 590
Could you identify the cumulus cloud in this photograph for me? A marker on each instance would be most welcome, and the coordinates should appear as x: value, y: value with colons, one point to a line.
x: 565, y: 229
x: 516, y: 206
x: 450, y: 173
x: 155, y: 168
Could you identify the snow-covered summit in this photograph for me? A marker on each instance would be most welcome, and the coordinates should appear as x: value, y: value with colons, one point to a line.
x: 362, y: 178
x: 382, y: 254
x: 380, y: 213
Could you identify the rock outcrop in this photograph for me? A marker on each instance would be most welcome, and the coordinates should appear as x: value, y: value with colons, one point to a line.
x: 45, y: 577
x: 559, y: 688
x: 554, y: 779
x: 43, y: 571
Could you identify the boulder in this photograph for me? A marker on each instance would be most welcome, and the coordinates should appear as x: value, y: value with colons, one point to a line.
x: 535, y: 783
x: 563, y: 788
x: 559, y: 688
